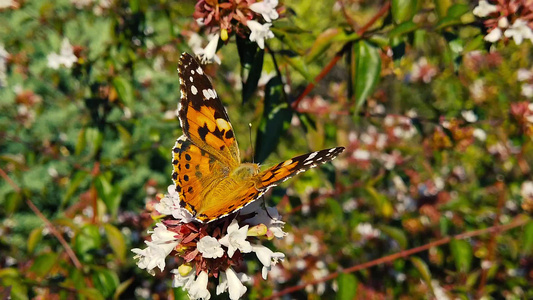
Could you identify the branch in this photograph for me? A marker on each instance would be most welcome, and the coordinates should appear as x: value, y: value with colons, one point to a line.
x: 339, y: 55
x: 48, y: 224
x: 517, y: 222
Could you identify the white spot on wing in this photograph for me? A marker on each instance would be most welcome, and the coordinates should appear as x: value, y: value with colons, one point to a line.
x: 200, y: 71
x: 194, y: 91
x: 311, y: 156
x: 191, y: 79
x: 192, y: 72
x: 209, y: 93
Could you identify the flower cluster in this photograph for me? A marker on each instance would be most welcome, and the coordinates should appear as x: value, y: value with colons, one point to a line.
x: 65, y: 56
x: 248, y: 19
x: 506, y: 19
x: 212, y: 250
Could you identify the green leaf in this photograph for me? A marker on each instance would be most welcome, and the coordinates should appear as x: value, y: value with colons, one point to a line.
x: 403, y: 28
x: 124, y: 90
x: 34, y: 239
x: 527, y: 246
x: 441, y: 7
x: 105, y: 281
x: 300, y: 66
x: 43, y: 264
x: 122, y: 287
x: 251, y: 57
x: 403, y: 10
x: 110, y: 194
x: 367, y: 71
x: 324, y: 42
x: 87, y: 241
x: 335, y: 208
x: 275, y: 121
x: 347, y: 286
x: 453, y: 16
x: 94, y: 139
x: 462, y: 254
x: 73, y: 185
x: 423, y: 269
x: 91, y: 294
x: 81, y: 143
x: 116, y: 241
x: 396, y: 234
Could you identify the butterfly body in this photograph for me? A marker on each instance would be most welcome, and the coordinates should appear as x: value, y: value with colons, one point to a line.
x: 207, y: 170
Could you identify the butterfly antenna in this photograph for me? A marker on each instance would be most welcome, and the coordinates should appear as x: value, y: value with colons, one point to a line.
x: 266, y: 209
x: 251, y: 143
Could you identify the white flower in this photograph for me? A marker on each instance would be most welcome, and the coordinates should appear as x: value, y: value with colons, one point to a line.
x: 361, y: 154
x: 480, y: 134
x: 163, y: 242
x: 209, y: 53
x: 519, y: 31
x: 367, y: 231
x: 65, y: 57
x: 503, y: 22
x: 183, y: 281
x: 210, y: 247
x: 7, y: 4
x: 198, y: 289
x: 153, y: 256
x: 493, y: 36
x: 161, y: 235
x: 484, y: 9
x: 438, y: 291
x: 170, y: 205
x: 469, y: 116
x: 3, y: 66
x: 266, y: 8
x: 527, y: 190
x: 230, y: 280
x: 524, y: 75
x: 527, y: 90
x: 236, y: 239
x: 267, y: 257
x: 259, y: 33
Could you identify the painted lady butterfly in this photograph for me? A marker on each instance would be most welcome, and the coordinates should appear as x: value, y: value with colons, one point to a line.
x: 208, y: 173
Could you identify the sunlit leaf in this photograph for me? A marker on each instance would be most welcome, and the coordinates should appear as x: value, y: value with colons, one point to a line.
x: 43, y: 264
x: 105, y: 281
x: 34, y: 239
x: 367, y: 70
x: 396, y: 234
x: 116, y: 241
x: 423, y: 269
x: 124, y: 90
x: 462, y: 254
x: 403, y: 10
x: 347, y: 286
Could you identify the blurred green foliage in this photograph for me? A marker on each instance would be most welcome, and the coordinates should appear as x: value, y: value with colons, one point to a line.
x: 90, y: 143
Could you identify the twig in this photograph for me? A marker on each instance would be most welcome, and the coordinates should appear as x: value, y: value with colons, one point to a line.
x: 48, y: 224
x: 339, y: 55
x: 517, y: 221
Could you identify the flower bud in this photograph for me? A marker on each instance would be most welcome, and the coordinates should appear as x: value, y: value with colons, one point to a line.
x: 257, y: 230
x: 184, y: 269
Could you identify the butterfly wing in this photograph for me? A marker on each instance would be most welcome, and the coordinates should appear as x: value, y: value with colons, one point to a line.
x: 291, y: 167
x: 195, y: 172
x: 202, y: 116
x: 251, y: 190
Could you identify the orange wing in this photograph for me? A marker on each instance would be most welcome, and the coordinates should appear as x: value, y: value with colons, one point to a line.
x: 195, y: 173
x: 291, y: 167
x: 202, y: 116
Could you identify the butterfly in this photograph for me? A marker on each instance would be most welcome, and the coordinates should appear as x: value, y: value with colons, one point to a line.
x: 207, y: 170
